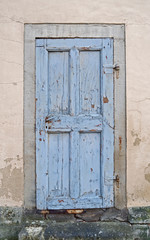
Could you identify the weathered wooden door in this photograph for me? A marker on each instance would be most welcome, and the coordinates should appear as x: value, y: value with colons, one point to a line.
x: 74, y: 123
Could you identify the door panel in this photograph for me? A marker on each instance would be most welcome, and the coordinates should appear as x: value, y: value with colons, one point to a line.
x: 58, y: 89
x: 58, y: 165
x: 74, y: 123
x: 89, y: 82
x: 90, y: 176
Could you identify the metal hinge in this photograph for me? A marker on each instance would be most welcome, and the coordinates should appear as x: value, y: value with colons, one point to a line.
x: 116, y: 67
x: 116, y: 178
x: 108, y: 68
x: 109, y: 181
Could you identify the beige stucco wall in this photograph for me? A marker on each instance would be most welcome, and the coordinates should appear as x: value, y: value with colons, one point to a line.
x: 136, y: 16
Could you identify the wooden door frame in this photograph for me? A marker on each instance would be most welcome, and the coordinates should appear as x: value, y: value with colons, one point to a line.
x: 115, y: 31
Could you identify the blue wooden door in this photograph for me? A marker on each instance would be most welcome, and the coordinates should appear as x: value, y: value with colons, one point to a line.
x: 74, y: 123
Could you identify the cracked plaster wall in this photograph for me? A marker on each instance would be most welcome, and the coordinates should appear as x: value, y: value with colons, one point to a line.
x: 135, y: 15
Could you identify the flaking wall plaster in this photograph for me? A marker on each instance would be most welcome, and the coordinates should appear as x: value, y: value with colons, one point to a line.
x: 135, y: 15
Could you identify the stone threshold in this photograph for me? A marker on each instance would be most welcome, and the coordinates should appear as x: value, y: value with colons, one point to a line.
x: 83, y: 230
x: 18, y: 223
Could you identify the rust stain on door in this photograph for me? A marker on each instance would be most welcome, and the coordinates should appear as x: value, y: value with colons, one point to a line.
x: 105, y: 100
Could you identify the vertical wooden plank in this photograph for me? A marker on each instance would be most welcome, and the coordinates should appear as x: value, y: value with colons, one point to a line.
x: 90, y: 169
x: 41, y: 138
x: 107, y: 81
x: 74, y: 81
x: 107, y: 137
x: 74, y: 135
x: 74, y: 165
